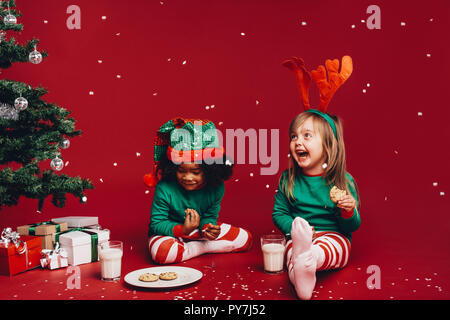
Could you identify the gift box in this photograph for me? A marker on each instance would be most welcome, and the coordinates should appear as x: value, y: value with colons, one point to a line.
x: 77, y: 221
x: 54, y: 259
x: 81, y: 244
x: 44, y: 230
x: 19, y: 253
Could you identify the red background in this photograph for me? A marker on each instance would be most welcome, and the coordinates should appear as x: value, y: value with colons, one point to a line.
x: 395, y: 154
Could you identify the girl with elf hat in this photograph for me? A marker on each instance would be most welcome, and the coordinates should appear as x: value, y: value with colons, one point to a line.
x: 317, y: 203
x: 189, y: 173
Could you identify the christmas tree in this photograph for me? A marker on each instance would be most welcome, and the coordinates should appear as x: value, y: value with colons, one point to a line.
x: 31, y: 130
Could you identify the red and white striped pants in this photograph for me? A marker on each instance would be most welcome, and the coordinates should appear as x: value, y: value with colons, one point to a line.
x: 167, y: 249
x: 330, y: 248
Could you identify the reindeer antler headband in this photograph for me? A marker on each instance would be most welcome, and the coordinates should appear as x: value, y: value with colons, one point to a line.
x: 327, y: 87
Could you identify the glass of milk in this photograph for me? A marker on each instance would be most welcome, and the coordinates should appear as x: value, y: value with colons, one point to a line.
x: 273, y: 246
x: 110, y: 254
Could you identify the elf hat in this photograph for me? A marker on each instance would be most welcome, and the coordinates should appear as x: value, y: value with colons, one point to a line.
x: 327, y: 87
x: 185, y: 140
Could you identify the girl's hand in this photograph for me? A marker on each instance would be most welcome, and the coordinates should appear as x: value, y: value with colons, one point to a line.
x: 191, y: 222
x: 211, y: 232
x: 348, y: 203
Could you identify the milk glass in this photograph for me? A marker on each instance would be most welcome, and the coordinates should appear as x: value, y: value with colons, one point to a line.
x: 110, y: 254
x: 273, y: 246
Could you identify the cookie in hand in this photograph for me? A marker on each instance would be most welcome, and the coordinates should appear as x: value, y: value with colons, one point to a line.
x: 337, y: 194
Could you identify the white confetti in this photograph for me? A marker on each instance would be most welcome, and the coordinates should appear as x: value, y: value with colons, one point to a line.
x: 207, y: 107
x: 435, y: 184
x: 364, y: 90
x: 119, y: 76
x: 367, y: 85
x: 118, y: 34
x: 100, y: 61
x: 184, y: 62
x: 115, y: 164
x: 303, y: 23
x: 363, y: 21
x: 147, y: 191
x: 403, y: 24
x: 67, y: 163
x: 419, y: 114
x: 220, y: 123
x: 257, y: 102
x: 442, y: 193
x: 45, y: 21
x: 138, y: 154
x: 428, y: 55
x: 353, y: 26
x: 242, y: 34
x: 101, y: 180
x: 212, y: 106
x: 267, y: 186
x: 91, y: 93
x: 84, y: 199
x: 251, y: 174
x: 103, y: 17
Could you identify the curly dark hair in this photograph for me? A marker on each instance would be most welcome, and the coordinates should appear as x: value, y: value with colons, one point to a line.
x: 215, y: 173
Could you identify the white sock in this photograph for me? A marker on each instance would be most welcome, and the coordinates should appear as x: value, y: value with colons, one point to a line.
x: 304, y: 263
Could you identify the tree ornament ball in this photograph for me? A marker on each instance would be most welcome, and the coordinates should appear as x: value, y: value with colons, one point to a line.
x: 10, y: 19
x: 57, y: 164
x: 65, y: 144
x: 35, y: 57
x: 21, y: 103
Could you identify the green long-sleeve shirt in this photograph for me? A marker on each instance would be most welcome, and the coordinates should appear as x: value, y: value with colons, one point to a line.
x: 170, y: 200
x: 313, y: 203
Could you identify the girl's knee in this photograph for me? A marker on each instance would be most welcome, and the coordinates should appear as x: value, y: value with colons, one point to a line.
x: 164, y: 250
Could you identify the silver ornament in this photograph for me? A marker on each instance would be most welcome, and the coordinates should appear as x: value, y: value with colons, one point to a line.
x: 57, y: 164
x: 21, y: 103
x: 10, y: 19
x: 35, y: 57
x: 64, y: 144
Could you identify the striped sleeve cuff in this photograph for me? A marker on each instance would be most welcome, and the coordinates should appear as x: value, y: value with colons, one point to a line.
x: 178, y: 231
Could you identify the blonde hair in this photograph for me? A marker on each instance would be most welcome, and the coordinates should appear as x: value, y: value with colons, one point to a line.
x: 334, y: 149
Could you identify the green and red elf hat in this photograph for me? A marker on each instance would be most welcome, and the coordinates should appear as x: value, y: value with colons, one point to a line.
x: 327, y: 87
x: 185, y: 141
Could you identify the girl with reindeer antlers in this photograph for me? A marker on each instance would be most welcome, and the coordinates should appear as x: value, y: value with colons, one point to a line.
x: 317, y: 203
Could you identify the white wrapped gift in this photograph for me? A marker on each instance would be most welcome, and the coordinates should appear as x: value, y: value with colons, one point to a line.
x: 54, y: 259
x: 77, y: 221
x: 81, y: 245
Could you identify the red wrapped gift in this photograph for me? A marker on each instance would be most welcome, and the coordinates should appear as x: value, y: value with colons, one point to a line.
x: 19, y: 253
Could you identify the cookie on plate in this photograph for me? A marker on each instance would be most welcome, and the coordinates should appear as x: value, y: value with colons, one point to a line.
x: 148, y: 277
x: 168, y: 276
x: 337, y: 194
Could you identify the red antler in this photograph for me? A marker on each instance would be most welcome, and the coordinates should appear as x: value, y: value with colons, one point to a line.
x: 327, y: 88
x: 303, y: 78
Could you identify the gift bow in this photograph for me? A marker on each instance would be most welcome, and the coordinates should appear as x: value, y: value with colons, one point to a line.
x: 11, y: 236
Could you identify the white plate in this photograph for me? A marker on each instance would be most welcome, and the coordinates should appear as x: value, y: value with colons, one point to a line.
x: 185, y: 276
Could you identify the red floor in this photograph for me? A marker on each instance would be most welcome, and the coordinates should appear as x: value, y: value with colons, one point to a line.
x: 239, y: 276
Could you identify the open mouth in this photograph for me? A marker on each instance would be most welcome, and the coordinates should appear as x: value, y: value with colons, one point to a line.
x: 302, y: 154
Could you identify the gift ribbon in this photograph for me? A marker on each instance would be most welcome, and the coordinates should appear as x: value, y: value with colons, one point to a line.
x: 94, y: 241
x: 32, y: 228
x: 11, y: 236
